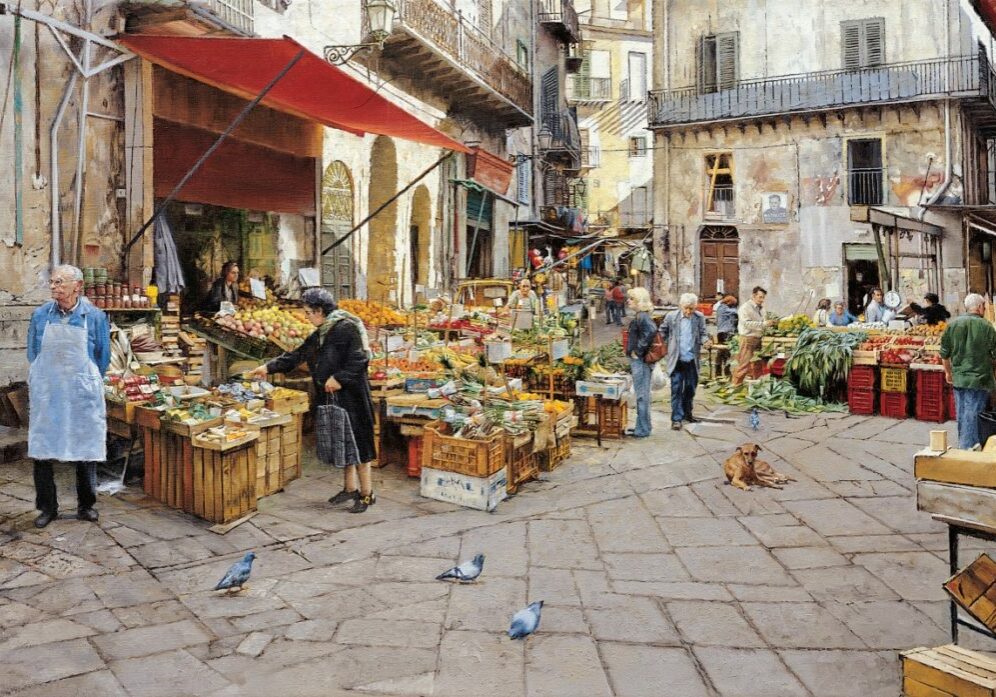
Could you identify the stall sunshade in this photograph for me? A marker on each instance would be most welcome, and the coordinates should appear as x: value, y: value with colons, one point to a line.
x: 312, y: 89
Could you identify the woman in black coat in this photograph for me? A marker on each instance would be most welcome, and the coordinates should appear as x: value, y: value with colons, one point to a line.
x: 337, y: 359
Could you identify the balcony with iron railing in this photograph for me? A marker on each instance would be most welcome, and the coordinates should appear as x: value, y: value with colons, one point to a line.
x: 235, y: 13
x: 581, y: 88
x: 435, y: 47
x: 866, y: 186
x: 565, y: 139
x: 718, y: 202
x: 591, y: 156
x: 560, y: 18
x: 968, y: 77
x: 191, y: 18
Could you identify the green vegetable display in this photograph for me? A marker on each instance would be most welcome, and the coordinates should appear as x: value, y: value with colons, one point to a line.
x: 821, y: 361
x: 773, y: 395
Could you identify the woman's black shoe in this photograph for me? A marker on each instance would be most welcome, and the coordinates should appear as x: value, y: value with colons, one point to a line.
x: 344, y: 497
x: 362, y: 503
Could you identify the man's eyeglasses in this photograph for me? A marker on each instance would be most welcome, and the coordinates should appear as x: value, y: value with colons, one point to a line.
x: 59, y: 282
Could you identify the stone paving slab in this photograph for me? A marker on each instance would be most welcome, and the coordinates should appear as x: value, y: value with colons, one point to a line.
x: 657, y: 576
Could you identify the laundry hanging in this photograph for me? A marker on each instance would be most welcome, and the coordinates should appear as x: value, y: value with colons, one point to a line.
x: 166, y: 263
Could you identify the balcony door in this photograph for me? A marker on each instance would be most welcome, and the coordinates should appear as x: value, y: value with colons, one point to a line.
x: 719, y: 252
x: 337, y: 220
x: 864, y: 172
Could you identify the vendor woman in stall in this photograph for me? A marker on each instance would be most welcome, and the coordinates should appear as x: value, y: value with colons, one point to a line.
x: 524, y: 305
x: 225, y: 288
x: 337, y: 356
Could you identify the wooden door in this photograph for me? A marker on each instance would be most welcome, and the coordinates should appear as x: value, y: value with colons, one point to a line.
x: 720, y: 261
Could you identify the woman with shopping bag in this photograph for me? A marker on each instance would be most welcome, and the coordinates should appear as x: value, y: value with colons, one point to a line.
x: 337, y: 354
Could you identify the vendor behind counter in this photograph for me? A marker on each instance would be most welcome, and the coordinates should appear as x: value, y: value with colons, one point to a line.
x: 225, y: 288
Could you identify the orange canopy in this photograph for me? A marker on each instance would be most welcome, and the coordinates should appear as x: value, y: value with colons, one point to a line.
x: 312, y: 89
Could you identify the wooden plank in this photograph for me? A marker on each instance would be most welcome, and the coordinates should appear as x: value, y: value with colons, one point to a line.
x: 147, y: 453
x: 188, y: 477
x: 209, y: 485
x: 229, y: 512
x: 972, y: 504
x: 957, y: 467
x: 198, y: 481
x: 914, y: 688
x: 934, y: 670
x: 166, y: 471
x: 222, y: 528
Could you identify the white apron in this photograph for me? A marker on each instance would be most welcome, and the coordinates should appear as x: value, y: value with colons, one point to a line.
x: 68, y: 419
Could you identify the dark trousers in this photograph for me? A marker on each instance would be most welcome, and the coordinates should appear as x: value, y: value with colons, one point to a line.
x: 684, y: 380
x: 46, y: 499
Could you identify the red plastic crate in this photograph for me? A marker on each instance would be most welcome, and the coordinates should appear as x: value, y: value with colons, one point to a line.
x: 930, y: 397
x: 861, y: 401
x: 895, y: 405
x: 949, y: 398
x: 862, y: 377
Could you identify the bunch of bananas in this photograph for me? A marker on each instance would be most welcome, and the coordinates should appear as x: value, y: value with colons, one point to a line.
x: 457, y: 360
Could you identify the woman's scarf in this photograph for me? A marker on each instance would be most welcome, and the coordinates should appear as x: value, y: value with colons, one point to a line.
x: 337, y: 316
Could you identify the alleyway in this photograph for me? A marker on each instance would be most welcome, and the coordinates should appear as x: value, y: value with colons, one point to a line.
x: 658, y: 580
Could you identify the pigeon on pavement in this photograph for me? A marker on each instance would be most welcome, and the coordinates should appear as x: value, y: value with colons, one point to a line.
x: 467, y: 571
x: 525, y: 621
x: 238, y: 575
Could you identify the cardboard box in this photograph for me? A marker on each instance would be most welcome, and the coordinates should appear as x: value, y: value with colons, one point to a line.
x: 968, y: 503
x: 967, y: 467
x: 481, y: 493
x: 947, y: 671
x: 609, y: 389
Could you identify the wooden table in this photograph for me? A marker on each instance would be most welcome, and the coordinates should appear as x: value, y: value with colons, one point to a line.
x: 957, y: 528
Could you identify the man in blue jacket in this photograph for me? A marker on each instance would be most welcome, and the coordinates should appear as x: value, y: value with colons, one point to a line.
x: 69, y: 348
x: 684, y: 331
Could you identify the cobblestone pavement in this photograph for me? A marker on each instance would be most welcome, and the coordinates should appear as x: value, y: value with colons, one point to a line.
x: 658, y: 580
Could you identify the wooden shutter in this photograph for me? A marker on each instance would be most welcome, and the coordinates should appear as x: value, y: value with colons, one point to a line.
x: 850, y: 41
x: 726, y: 60
x: 550, y: 100
x: 874, y: 43
x: 522, y: 181
x: 707, y: 64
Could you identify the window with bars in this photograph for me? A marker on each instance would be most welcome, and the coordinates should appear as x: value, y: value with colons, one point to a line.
x: 638, y: 146
x: 594, y: 78
x: 862, y: 43
x: 719, y: 61
x: 521, y: 54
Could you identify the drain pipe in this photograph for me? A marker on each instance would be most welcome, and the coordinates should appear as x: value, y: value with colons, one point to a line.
x: 948, y: 164
x: 53, y: 136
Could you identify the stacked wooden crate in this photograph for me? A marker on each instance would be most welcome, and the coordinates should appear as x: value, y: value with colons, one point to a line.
x: 959, y: 484
x: 947, y: 671
x: 193, y: 348
x: 467, y: 472
x: 270, y: 454
x: 169, y: 326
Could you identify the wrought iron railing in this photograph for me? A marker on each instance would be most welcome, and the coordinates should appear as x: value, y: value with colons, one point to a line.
x: 959, y: 76
x: 583, y: 88
x: 718, y: 203
x: 561, y: 12
x: 237, y: 14
x: 565, y: 136
x: 591, y: 156
x: 865, y: 187
x: 447, y: 29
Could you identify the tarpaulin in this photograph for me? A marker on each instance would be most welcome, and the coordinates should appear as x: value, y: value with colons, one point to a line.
x: 312, y: 89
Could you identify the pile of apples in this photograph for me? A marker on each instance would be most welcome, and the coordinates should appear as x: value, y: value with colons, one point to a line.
x: 288, y: 328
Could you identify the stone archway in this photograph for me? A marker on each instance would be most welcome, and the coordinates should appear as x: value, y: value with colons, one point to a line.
x: 381, y: 256
x: 337, y: 219
x: 420, y: 238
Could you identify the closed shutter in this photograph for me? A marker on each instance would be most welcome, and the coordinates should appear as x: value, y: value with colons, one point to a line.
x: 862, y: 43
x: 479, y: 207
x: 554, y: 188
x: 484, y: 16
x: 726, y: 60
x: 522, y: 182
x: 550, y: 100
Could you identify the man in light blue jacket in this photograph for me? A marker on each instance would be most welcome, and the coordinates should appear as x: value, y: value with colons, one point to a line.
x: 684, y: 331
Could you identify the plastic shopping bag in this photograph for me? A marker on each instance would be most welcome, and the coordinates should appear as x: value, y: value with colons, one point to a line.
x: 658, y: 380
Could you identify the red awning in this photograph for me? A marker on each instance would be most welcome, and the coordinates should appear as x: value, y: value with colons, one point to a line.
x: 987, y: 10
x: 312, y: 89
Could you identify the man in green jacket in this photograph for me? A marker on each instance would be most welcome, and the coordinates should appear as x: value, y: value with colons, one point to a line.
x: 968, y: 351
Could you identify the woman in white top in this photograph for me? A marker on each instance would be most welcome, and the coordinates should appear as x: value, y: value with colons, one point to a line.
x: 821, y: 317
x: 524, y: 302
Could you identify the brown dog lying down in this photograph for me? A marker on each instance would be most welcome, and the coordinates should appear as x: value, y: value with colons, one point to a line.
x: 743, y: 468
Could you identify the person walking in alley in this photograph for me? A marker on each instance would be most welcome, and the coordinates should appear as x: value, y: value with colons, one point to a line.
x: 69, y: 349
x: 750, y: 326
x: 726, y: 327
x: 684, y: 332
x: 641, y: 335
x: 968, y: 352
x: 616, y: 303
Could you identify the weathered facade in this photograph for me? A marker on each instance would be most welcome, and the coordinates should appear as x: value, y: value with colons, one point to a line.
x: 465, y: 67
x: 773, y: 146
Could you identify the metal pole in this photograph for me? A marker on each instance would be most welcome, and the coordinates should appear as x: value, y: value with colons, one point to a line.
x: 203, y: 158
x: 84, y: 107
x: 18, y: 138
x: 54, y: 173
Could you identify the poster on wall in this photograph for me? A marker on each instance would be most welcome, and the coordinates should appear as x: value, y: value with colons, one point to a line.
x: 774, y: 207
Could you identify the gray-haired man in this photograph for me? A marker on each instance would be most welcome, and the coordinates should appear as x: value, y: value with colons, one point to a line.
x: 684, y: 331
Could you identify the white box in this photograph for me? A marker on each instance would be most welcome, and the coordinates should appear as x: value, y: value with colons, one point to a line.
x: 609, y: 389
x: 481, y: 493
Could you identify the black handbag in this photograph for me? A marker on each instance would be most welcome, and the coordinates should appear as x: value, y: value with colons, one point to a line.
x: 334, y: 439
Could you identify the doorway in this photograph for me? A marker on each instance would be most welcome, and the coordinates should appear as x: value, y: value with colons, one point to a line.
x: 719, y: 248
x: 861, y: 261
x: 980, y: 263
x: 337, y: 220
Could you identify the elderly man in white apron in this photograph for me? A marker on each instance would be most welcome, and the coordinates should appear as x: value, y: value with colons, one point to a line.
x: 69, y: 350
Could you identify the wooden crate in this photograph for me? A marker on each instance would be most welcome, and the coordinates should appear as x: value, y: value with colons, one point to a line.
x: 294, y: 404
x: 475, y: 458
x: 947, y: 671
x: 522, y: 464
x: 613, y: 416
x: 971, y: 504
x: 224, y: 479
x: 269, y: 461
x: 150, y: 431
x: 122, y: 411
x: 290, y: 450
x: 954, y: 466
x: 974, y: 588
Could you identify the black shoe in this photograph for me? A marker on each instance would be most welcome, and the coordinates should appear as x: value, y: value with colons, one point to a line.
x: 692, y: 420
x: 344, y: 497
x: 87, y: 514
x: 45, y: 518
x: 362, y: 503
x: 675, y: 425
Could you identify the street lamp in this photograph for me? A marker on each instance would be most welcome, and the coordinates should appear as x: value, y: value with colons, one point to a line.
x: 380, y: 18
x: 545, y: 137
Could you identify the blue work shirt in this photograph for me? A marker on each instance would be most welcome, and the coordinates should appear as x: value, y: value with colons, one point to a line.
x: 686, y: 339
x: 98, y: 329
